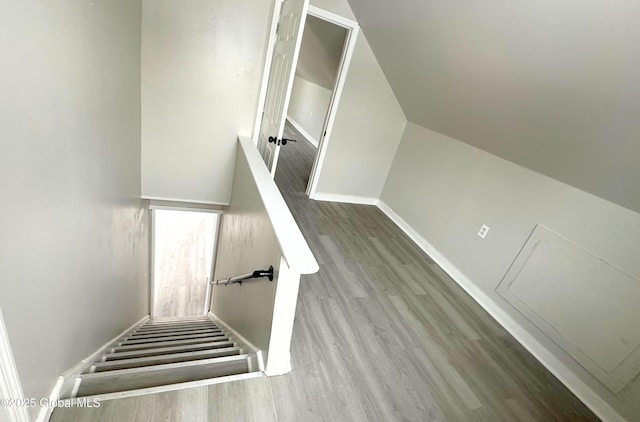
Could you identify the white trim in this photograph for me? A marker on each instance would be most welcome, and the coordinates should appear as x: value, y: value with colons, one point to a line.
x: 70, y: 375
x: 577, y: 386
x: 313, y: 141
x: 185, y: 209
x: 331, y: 17
x: 185, y: 201
x: 292, y: 243
x: 152, y: 264
x: 345, y: 61
x: 10, y: 386
x: 245, y: 344
x: 271, y: 44
x: 346, y: 199
x: 168, y: 387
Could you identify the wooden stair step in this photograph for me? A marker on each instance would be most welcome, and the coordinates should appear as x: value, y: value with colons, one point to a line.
x: 165, y: 330
x: 170, y: 338
x: 165, y: 334
x: 157, y: 375
x: 171, y: 349
x: 155, y: 345
x: 162, y: 359
x: 181, y: 325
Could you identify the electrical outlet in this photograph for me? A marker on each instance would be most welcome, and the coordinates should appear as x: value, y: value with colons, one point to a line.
x: 483, y: 231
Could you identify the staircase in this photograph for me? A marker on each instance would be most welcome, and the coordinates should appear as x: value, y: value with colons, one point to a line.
x: 164, y: 354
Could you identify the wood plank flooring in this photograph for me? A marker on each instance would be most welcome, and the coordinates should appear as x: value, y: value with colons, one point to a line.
x: 381, y: 334
x: 183, y: 250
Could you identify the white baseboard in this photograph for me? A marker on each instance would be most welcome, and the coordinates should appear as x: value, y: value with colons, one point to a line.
x: 347, y: 199
x: 589, y: 397
x: 313, y: 141
x: 165, y: 388
x: 77, y: 369
x: 244, y: 343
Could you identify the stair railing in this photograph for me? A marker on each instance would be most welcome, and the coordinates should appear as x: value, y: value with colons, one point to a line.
x: 235, y: 280
x: 239, y: 279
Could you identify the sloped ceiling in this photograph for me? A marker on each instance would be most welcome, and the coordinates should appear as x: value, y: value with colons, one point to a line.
x: 551, y: 85
x: 322, y: 44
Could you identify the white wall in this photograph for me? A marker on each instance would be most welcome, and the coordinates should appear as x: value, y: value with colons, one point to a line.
x: 309, y: 105
x: 550, y: 85
x: 446, y: 189
x: 74, y: 244
x: 202, y: 65
x: 368, y: 126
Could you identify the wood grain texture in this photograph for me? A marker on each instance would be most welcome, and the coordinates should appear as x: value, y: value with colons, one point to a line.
x: 183, y: 253
x: 381, y: 334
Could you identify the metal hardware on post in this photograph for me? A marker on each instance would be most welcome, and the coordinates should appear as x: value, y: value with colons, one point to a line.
x: 239, y: 279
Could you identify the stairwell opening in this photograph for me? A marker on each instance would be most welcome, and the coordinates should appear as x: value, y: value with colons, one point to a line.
x: 183, y: 250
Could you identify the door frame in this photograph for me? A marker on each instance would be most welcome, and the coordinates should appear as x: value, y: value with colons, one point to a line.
x: 152, y: 248
x: 353, y: 30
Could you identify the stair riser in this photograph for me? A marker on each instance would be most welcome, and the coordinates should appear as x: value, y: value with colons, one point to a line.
x: 171, y: 327
x: 172, y: 333
x: 168, y: 330
x: 176, y: 324
x: 163, y: 350
x: 107, y: 382
x: 158, y: 360
x: 169, y: 338
x: 167, y: 344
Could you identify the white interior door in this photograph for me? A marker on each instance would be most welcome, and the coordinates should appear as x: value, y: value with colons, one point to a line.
x: 293, y: 14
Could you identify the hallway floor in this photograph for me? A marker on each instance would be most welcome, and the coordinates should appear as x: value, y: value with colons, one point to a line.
x: 381, y: 334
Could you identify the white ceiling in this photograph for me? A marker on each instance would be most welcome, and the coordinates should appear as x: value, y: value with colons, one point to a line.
x: 551, y: 85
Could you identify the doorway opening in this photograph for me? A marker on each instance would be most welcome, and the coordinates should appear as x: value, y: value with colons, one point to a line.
x: 304, y: 96
x: 183, y: 247
x: 314, y: 82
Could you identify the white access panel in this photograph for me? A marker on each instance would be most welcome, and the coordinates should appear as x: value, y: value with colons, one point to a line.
x: 587, y: 306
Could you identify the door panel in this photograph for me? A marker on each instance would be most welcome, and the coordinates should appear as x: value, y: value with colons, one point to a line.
x: 285, y: 56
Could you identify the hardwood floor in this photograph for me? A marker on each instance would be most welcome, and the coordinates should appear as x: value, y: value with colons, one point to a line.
x: 381, y: 334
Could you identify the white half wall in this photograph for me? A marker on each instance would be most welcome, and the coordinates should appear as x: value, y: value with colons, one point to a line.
x: 309, y: 105
x: 246, y: 243
x: 257, y: 231
x: 201, y: 72
x: 445, y: 190
x: 74, y: 243
x: 368, y: 125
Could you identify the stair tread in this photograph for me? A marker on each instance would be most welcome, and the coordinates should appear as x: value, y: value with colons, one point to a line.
x: 131, y: 371
x: 162, y: 330
x: 157, y: 375
x: 169, y: 343
x: 160, y: 350
x: 166, y: 358
x: 170, y: 337
x: 167, y: 387
x: 182, y: 324
x: 176, y: 321
x: 168, y: 333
